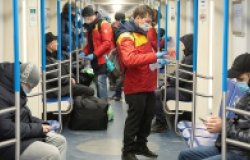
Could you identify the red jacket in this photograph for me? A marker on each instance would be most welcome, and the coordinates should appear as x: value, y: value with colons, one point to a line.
x: 152, y: 36
x: 136, y: 54
x: 102, y: 41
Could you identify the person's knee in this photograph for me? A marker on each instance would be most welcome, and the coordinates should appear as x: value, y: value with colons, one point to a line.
x: 53, y: 153
x: 61, y: 142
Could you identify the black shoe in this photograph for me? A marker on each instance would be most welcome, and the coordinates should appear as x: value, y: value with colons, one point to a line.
x: 144, y: 151
x: 128, y: 156
x: 158, y: 127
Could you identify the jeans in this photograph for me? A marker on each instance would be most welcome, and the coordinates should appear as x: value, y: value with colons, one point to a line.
x: 54, y: 148
x: 118, y: 87
x: 208, y: 153
x: 138, y: 121
x: 101, y: 86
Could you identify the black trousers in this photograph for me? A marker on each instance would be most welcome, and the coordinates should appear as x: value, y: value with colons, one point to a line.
x: 138, y: 122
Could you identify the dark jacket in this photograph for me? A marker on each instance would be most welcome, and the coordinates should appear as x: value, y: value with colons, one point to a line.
x: 31, y: 127
x: 65, y: 32
x: 187, y: 40
x: 239, y: 128
x: 51, y: 59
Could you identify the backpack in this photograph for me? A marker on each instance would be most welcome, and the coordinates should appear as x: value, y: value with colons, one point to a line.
x: 89, y: 113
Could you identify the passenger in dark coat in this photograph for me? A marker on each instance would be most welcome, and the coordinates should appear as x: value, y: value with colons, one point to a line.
x: 160, y: 123
x: 32, y: 128
x: 51, y: 58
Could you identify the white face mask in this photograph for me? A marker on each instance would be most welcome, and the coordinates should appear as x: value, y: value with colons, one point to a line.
x: 145, y: 26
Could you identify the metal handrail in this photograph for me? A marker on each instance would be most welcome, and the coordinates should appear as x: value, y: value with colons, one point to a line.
x: 238, y: 111
x: 205, y: 77
x: 7, y: 142
x: 185, y: 90
x: 7, y: 110
x: 184, y: 71
x: 204, y: 95
x: 52, y: 90
x: 53, y: 71
x: 55, y: 79
x: 180, y: 79
x: 238, y: 143
x: 35, y: 94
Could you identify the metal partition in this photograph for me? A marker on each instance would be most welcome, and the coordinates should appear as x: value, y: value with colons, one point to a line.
x: 58, y: 63
x: 16, y: 108
x: 226, y: 140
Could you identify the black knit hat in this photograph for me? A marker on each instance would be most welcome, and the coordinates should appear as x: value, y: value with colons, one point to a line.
x: 119, y: 16
x: 88, y: 11
x: 50, y: 37
x: 241, y: 65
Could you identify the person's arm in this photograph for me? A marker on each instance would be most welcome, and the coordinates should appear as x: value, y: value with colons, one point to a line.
x: 236, y: 132
x: 131, y: 56
x: 186, y: 76
x: 106, y: 38
x: 152, y: 37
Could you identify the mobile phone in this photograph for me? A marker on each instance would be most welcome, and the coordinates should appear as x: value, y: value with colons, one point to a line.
x: 203, y: 120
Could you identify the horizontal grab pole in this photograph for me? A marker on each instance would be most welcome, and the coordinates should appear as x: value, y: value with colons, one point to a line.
x: 7, y: 110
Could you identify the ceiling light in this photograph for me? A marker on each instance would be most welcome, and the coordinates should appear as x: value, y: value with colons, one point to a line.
x: 116, y: 7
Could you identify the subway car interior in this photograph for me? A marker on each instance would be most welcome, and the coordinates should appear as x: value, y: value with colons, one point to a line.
x: 124, y: 79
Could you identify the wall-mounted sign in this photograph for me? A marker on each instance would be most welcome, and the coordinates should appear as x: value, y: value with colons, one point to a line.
x: 33, y: 17
x: 237, y: 18
x: 203, y: 10
x: 172, y: 14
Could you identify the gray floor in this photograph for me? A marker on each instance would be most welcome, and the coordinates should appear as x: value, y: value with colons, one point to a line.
x: 106, y: 145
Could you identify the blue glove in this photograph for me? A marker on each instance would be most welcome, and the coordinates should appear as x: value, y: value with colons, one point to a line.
x: 162, y: 62
x: 89, y: 57
x: 160, y: 55
x: 82, y: 55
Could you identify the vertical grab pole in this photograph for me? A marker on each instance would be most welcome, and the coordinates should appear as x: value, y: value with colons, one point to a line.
x: 178, y: 22
x: 59, y: 58
x: 81, y: 25
x: 166, y: 50
x: 77, y: 42
x: 195, y: 47
x: 70, y: 53
x: 43, y: 47
x: 158, y: 36
x: 17, y: 78
x: 224, y: 76
x: 159, y: 27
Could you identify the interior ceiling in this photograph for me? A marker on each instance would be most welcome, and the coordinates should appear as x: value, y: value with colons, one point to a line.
x: 110, y: 6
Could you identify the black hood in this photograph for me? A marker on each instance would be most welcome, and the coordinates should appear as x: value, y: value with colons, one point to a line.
x: 128, y: 26
x: 187, y: 40
x: 90, y: 27
x: 7, y: 77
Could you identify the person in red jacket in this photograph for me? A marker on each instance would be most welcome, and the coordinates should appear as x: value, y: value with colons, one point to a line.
x: 99, y: 43
x: 140, y: 78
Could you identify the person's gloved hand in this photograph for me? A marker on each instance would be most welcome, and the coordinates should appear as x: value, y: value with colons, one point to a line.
x: 82, y: 55
x: 162, y: 62
x: 160, y: 55
x: 89, y: 57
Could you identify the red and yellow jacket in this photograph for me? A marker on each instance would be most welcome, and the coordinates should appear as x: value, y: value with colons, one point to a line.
x: 103, y: 41
x: 136, y: 54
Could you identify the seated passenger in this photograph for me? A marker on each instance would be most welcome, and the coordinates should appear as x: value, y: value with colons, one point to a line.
x: 37, y: 140
x: 160, y: 123
x: 237, y: 128
x: 51, y: 58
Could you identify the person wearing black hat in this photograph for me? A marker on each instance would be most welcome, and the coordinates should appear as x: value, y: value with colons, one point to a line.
x: 51, y: 58
x: 237, y: 128
x: 99, y: 43
x: 35, y: 133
